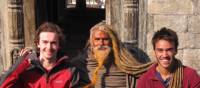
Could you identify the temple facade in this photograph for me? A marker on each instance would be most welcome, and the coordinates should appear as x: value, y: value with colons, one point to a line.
x: 134, y: 20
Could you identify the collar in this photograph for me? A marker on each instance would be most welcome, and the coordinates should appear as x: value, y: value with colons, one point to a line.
x: 152, y: 72
x: 37, y: 64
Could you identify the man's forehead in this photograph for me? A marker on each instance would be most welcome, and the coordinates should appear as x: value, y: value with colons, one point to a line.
x: 97, y: 33
x: 48, y: 36
x: 164, y: 43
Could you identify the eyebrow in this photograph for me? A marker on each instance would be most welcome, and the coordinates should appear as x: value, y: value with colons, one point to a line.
x: 168, y: 49
x: 102, y: 38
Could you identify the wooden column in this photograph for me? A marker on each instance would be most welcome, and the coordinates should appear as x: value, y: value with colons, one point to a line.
x: 114, y: 14
x: 129, y: 21
x: 2, y: 23
x: 108, y: 11
x: 29, y: 22
x: 15, y: 31
x: 142, y: 32
x: 123, y: 16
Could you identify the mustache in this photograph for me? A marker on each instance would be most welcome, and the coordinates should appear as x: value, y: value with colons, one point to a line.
x: 101, y: 53
x: 102, y: 47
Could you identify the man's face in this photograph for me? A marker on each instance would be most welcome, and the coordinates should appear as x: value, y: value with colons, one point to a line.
x: 100, y: 38
x: 101, y: 46
x: 48, y: 45
x: 165, y: 53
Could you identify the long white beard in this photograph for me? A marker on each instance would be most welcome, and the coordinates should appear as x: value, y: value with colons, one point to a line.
x: 101, y: 53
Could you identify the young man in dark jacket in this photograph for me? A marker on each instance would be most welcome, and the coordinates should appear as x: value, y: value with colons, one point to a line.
x: 168, y: 72
x: 49, y: 69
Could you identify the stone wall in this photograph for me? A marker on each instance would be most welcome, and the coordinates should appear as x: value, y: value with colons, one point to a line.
x: 183, y: 16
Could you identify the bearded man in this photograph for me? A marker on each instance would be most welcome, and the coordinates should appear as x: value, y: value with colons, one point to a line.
x: 107, y: 62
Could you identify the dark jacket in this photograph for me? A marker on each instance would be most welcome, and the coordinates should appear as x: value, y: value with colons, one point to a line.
x: 149, y: 80
x: 26, y: 75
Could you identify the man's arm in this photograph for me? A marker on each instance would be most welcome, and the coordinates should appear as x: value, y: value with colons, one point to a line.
x: 140, y: 83
x: 9, y: 80
x: 79, y: 78
x: 81, y: 69
x: 194, y: 80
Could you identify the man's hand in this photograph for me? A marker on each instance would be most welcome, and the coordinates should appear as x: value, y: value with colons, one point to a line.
x: 25, y: 52
x: 29, y: 54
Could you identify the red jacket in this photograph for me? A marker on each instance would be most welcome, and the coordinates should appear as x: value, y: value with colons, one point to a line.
x: 149, y: 80
x: 25, y: 75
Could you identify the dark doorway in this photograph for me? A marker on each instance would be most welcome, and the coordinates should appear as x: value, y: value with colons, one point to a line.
x: 76, y: 22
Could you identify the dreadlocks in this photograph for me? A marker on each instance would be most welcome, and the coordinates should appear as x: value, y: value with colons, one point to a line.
x: 124, y: 60
x: 177, y: 75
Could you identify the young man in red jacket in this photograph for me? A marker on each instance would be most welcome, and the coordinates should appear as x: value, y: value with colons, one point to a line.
x: 168, y: 72
x: 49, y: 69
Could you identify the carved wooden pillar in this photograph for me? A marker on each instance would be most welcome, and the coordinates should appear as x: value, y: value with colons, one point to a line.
x: 108, y: 11
x: 29, y: 22
x: 142, y: 32
x: 114, y: 15
x: 129, y: 21
x: 15, y: 31
x: 1, y: 41
x: 123, y: 16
